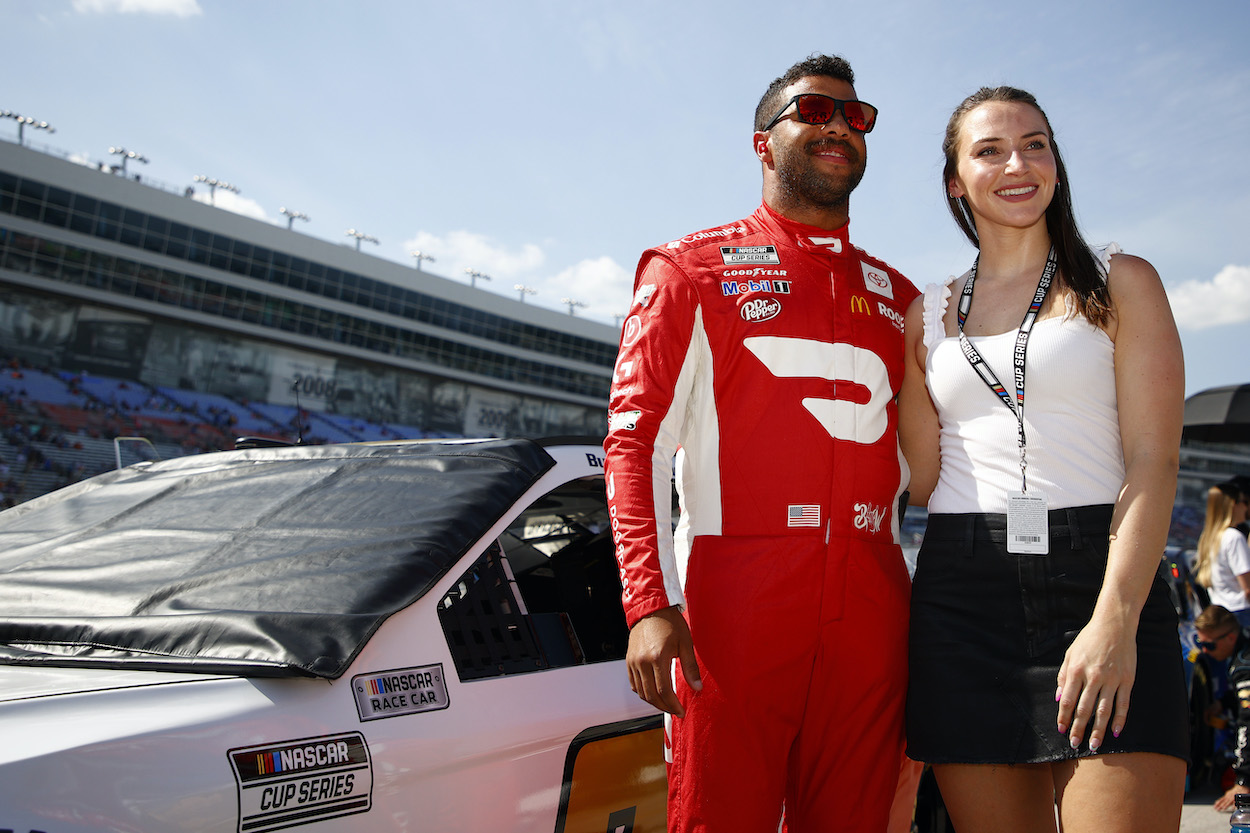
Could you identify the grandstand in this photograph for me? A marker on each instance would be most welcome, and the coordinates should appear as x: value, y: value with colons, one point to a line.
x: 129, y: 310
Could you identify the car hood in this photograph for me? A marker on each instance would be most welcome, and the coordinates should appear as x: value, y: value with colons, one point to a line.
x: 28, y: 683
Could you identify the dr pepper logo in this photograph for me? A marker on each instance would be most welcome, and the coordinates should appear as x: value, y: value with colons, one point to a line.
x: 760, y: 309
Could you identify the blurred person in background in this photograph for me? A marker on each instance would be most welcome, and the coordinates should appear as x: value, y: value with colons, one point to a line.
x: 1221, y: 638
x: 1242, y: 482
x: 1222, y: 564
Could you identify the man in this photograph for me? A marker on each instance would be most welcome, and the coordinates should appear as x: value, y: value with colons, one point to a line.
x: 766, y: 354
x: 1221, y: 638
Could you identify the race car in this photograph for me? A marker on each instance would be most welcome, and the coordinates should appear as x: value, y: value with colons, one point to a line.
x: 405, y: 636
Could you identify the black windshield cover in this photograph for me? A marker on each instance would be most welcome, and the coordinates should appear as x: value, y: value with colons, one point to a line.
x: 267, y: 562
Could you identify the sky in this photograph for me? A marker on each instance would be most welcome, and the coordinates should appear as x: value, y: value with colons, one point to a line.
x: 546, y: 143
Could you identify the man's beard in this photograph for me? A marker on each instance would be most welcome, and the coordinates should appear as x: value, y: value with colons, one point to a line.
x: 801, y: 181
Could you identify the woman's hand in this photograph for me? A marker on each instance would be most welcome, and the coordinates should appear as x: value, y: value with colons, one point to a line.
x: 1095, y: 683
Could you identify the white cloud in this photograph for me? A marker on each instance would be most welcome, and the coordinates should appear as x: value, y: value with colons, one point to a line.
x: 601, y: 284
x: 177, y: 8
x: 231, y: 201
x: 600, y: 287
x: 1225, y: 299
x: 460, y: 250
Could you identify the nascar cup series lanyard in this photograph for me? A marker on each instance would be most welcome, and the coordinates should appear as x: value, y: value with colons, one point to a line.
x: 1027, y: 529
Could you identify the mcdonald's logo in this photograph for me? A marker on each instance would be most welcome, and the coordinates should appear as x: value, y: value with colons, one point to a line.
x: 859, y: 304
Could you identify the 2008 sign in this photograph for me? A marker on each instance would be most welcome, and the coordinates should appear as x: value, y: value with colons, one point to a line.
x: 492, y: 418
x: 313, y: 385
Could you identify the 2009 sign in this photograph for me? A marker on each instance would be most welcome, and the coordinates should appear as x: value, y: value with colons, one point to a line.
x: 314, y: 385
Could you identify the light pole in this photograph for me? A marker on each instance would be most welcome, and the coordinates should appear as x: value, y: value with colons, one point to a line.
x: 524, y: 290
x: 474, y: 275
x: 292, y: 216
x: 420, y: 256
x: 127, y: 154
x: 360, y: 235
x: 22, y: 121
x: 572, y: 304
x: 213, y: 185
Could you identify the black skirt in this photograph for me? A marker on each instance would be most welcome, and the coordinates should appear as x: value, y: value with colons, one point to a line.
x: 989, y: 630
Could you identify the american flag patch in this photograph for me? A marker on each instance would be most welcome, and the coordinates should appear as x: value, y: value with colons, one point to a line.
x: 803, y: 516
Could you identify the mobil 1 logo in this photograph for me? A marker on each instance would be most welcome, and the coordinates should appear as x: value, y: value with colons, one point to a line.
x: 296, y: 782
x: 401, y: 691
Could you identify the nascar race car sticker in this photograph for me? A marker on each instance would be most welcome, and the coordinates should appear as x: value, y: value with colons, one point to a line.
x: 296, y: 782
x: 382, y: 694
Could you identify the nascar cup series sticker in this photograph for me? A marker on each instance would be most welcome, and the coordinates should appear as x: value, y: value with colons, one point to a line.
x: 296, y: 782
x: 734, y: 255
x: 402, y: 691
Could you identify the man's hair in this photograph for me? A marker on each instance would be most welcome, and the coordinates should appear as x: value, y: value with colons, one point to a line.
x: 1215, y: 618
x: 829, y: 66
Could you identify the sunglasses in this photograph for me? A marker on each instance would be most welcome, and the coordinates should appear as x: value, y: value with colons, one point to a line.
x: 814, y: 108
x: 1210, y: 646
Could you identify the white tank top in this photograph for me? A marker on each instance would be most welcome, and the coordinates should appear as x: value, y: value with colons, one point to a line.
x: 1075, y: 457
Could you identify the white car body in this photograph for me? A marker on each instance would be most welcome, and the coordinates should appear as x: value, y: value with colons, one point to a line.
x: 397, y: 742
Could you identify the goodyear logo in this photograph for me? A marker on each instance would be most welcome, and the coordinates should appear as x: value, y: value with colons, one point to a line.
x: 301, y: 781
x: 402, y: 691
x: 734, y: 255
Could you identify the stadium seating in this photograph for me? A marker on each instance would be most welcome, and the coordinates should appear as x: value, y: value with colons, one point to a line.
x: 61, y: 426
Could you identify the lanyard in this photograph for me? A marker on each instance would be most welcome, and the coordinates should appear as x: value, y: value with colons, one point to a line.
x: 1014, y: 404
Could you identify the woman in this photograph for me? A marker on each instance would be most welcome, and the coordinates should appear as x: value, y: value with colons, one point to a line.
x: 1036, y: 610
x: 1223, y: 562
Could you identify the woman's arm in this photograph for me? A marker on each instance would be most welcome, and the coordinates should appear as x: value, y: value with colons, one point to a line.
x: 917, y: 418
x: 1097, y: 675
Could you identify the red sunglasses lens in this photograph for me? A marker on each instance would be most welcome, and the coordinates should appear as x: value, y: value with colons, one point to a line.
x: 816, y: 109
x: 819, y: 109
x: 859, y: 115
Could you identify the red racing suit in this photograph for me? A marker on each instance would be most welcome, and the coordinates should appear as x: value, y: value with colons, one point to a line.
x: 764, y: 357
